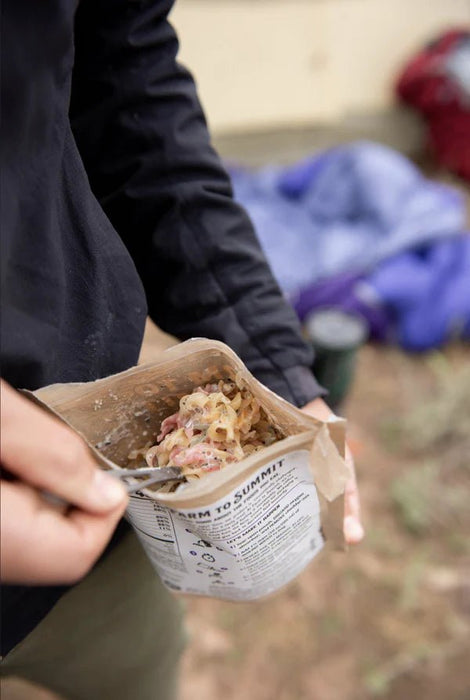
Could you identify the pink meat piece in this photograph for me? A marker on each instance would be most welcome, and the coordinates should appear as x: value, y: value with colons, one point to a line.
x: 168, y: 425
x: 201, y: 455
x: 174, y: 452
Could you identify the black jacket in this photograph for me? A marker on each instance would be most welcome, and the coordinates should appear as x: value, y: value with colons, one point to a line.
x: 105, y: 148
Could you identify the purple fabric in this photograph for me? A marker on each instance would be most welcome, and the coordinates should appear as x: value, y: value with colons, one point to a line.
x: 359, y: 228
x: 342, y: 292
x: 344, y: 211
x: 419, y: 299
x: 428, y: 292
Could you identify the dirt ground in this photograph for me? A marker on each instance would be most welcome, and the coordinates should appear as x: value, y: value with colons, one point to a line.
x: 391, y: 618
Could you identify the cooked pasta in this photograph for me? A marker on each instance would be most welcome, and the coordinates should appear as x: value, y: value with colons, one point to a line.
x: 215, y: 425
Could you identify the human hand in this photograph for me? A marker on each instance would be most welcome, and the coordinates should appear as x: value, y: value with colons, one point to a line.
x: 45, y: 543
x: 352, y: 526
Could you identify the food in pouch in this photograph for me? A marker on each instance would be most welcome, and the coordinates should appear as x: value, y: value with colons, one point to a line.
x: 216, y: 424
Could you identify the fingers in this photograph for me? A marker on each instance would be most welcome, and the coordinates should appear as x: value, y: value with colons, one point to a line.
x: 318, y: 409
x: 44, y: 452
x: 353, y: 529
x: 352, y: 526
x: 41, y: 544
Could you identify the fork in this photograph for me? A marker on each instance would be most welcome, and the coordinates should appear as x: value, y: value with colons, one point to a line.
x: 155, y: 475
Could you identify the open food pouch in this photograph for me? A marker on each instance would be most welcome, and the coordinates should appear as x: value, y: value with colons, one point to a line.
x: 264, y: 482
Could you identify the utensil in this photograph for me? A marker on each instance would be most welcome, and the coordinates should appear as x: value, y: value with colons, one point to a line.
x: 156, y: 475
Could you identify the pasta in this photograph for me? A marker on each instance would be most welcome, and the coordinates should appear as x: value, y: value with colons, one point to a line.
x: 215, y: 425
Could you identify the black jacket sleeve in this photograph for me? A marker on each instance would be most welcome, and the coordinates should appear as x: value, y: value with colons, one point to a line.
x: 143, y: 138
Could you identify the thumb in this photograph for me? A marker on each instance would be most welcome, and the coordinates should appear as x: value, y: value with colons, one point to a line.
x: 45, y: 453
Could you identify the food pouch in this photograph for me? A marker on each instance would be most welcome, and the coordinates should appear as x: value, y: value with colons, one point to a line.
x: 240, y: 533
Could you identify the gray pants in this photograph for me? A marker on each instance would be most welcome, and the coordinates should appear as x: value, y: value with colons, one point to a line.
x: 117, y: 635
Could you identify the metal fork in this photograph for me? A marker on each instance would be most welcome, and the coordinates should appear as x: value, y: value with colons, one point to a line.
x: 155, y: 475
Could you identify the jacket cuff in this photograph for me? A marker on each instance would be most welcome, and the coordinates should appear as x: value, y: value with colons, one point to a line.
x: 303, y: 385
x: 295, y: 384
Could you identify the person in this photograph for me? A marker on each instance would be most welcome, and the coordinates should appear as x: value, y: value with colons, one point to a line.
x: 115, y: 205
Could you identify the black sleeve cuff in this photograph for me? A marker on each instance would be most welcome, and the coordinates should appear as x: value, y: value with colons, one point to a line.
x: 295, y: 384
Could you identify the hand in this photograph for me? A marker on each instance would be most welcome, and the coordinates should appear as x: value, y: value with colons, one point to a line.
x: 45, y: 543
x: 352, y: 526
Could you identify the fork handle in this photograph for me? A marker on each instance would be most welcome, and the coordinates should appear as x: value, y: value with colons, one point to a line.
x: 157, y: 479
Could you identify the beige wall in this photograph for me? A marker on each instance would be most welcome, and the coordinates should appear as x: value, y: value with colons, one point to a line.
x: 274, y: 63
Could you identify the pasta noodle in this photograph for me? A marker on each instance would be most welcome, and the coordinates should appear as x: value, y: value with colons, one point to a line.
x: 215, y: 425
